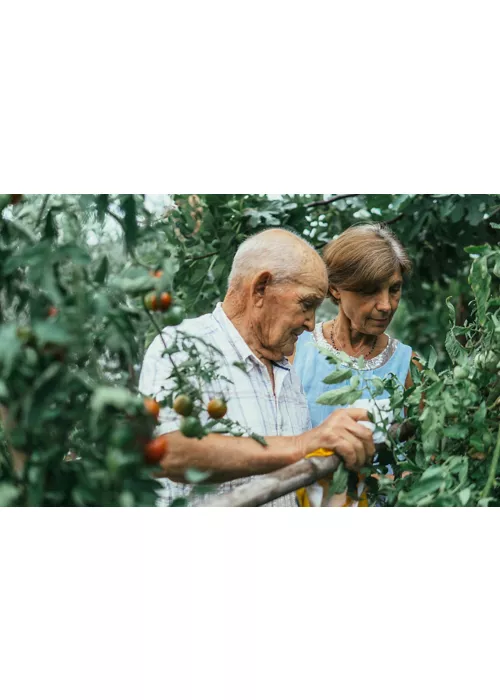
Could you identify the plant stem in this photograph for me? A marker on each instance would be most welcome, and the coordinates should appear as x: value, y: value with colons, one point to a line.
x: 42, y: 209
x: 324, y: 202
x: 493, y: 469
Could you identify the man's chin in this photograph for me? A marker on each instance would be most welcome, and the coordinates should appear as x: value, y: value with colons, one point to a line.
x: 290, y: 347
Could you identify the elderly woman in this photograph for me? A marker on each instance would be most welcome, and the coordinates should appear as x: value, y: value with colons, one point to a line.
x: 366, y: 267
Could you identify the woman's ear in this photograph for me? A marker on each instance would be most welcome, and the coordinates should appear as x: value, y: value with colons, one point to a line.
x: 335, y: 294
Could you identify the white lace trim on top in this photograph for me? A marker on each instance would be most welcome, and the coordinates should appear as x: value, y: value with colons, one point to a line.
x: 374, y: 363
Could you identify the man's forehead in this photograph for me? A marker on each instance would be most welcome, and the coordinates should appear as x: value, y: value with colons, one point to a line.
x: 312, y: 291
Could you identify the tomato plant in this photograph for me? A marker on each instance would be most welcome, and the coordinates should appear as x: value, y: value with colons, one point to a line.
x: 75, y: 274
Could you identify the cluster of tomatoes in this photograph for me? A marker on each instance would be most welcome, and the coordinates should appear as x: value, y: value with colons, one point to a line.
x: 162, y: 301
x: 157, y: 448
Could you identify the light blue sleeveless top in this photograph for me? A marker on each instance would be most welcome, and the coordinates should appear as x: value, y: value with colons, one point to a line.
x: 312, y: 367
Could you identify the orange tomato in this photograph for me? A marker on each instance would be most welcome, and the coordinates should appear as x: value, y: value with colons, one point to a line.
x: 156, y: 449
x: 217, y: 409
x: 152, y: 407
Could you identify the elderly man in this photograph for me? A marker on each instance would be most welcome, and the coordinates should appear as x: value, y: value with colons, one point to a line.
x: 276, y: 284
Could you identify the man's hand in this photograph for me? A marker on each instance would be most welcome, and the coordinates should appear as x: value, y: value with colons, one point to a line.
x: 342, y: 434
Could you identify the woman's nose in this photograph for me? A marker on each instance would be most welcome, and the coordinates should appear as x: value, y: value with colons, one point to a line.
x: 384, y: 303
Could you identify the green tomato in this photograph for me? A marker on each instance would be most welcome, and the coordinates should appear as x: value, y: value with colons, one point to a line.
x: 487, y: 439
x: 122, y: 435
x: 31, y: 357
x: 486, y: 360
x: 25, y: 334
x: 191, y: 427
x: 460, y: 372
x: 114, y: 460
x: 174, y: 316
x: 183, y: 405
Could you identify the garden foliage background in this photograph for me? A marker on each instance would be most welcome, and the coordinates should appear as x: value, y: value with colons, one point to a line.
x: 74, y: 274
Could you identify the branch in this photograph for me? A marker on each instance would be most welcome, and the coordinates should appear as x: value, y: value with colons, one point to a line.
x: 492, y: 213
x: 288, y: 479
x: 493, y: 469
x: 201, y: 257
x: 324, y: 202
x: 393, y: 221
x: 39, y: 218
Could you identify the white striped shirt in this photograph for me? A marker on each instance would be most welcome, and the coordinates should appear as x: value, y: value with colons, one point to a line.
x: 250, y: 397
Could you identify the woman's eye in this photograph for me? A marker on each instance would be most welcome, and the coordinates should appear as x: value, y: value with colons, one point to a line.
x: 395, y: 290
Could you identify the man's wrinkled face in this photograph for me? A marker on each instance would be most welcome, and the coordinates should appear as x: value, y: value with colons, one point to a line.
x: 287, y: 310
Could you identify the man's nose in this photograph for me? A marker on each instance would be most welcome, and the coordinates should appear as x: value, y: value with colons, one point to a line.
x: 310, y: 321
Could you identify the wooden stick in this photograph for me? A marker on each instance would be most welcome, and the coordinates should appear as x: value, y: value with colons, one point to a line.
x: 289, y: 479
x: 279, y: 483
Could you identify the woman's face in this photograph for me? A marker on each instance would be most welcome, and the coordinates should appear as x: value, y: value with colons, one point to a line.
x: 370, y: 310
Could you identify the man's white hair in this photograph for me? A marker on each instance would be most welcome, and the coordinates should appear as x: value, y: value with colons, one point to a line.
x: 283, y: 256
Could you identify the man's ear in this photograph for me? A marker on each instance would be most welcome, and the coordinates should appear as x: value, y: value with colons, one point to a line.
x: 260, y: 285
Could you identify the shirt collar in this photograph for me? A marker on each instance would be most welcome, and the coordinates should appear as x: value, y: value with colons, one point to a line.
x: 239, y: 344
x: 237, y: 341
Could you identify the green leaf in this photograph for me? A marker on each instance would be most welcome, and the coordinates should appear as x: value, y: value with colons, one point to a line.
x: 336, y: 358
x: 259, y: 439
x: 464, y: 496
x: 179, y: 503
x: 497, y: 226
x: 456, y: 432
x: 454, y: 349
x: 8, y: 494
x: 377, y: 386
x: 344, y: 396
x: 50, y: 332
x: 134, y: 285
x: 10, y: 346
x: 339, y: 481
x: 478, y: 249
x: 4, y: 201
x: 339, y: 375
x: 451, y: 310
x: 102, y: 201
x: 102, y: 271
x: 475, y: 215
x: 480, y: 282
x: 130, y: 226
x: 118, y: 397
x: 423, y: 489
x: 432, y: 472
x: 50, y: 230
x: 47, y: 376
x: 431, y: 363
x: 195, y: 476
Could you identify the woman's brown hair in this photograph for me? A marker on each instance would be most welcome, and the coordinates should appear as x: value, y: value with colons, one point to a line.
x: 364, y: 256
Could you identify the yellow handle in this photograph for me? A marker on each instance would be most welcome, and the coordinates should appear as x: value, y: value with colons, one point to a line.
x: 302, y: 495
x: 320, y: 453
